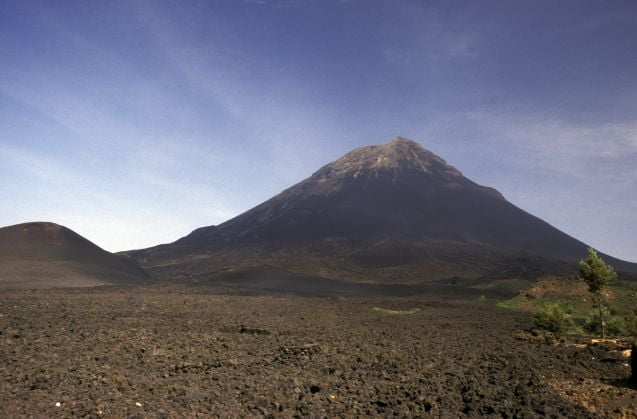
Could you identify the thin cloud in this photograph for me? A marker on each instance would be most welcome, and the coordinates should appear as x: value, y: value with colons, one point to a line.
x: 281, y: 120
x: 31, y: 163
x: 556, y: 145
x: 424, y: 39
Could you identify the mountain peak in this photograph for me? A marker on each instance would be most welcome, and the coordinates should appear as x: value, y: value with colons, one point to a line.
x: 398, y: 140
x: 407, y: 149
x: 396, y: 155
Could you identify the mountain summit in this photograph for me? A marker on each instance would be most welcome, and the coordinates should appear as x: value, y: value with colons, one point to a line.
x: 391, y: 212
x: 396, y: 159
x: 396, y: 155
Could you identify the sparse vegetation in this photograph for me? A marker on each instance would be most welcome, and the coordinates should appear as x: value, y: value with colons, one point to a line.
x: 631, y: 326
x: 573, y: 297
x: 552, y: 317
x: 598, y: 276
x: 614, y: 325
x: 510, y: 303
x: 396, y: 312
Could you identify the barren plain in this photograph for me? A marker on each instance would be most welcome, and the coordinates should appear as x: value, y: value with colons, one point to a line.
x: 168, y: 351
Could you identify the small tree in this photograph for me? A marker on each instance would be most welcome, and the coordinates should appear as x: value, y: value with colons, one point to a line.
x: 615, y: 325
x: 598, y: 275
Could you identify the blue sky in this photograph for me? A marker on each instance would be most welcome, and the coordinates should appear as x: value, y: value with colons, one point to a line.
x: 134, y: 122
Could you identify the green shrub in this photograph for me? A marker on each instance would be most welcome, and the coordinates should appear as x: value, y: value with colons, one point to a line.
x: 631, y: 326
x: 552, y: 317
x: 615, y: 325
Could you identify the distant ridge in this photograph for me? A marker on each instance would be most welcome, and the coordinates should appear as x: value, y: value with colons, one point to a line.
x: 388, y: 213
x: 47, y: 255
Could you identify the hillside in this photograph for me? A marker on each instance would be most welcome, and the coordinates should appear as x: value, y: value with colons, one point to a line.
x: 47, y: 255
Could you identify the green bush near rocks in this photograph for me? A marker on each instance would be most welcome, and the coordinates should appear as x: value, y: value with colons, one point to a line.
x: 615, y: 325
x: 552, y: 317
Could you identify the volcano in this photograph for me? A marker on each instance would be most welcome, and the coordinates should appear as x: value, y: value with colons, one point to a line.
x: 385, y: 213
x: 47, y: 255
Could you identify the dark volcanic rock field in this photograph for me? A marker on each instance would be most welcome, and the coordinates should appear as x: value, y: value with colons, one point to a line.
x: 184, y: 352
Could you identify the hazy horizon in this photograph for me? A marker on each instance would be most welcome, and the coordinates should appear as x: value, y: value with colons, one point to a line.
x: 134, y: 123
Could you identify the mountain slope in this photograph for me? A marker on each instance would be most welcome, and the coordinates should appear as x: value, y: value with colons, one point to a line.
x: 392, y: 212
x: 46, y: 255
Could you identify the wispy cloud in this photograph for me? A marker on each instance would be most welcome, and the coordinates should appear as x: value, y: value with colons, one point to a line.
x: 560, y: 146
x: 281, y: 120
x: 425, y: 39
x: 34, y: 164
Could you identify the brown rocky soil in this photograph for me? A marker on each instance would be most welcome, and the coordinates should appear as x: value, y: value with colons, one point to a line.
x: 175, y: 352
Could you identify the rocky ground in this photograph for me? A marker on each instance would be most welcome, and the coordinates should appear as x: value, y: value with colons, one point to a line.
x: 169, y: 352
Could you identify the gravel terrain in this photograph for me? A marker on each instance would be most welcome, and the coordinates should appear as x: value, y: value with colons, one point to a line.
x: 175, y: 352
